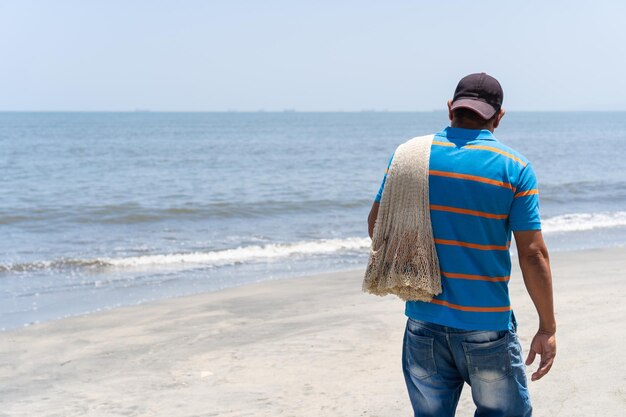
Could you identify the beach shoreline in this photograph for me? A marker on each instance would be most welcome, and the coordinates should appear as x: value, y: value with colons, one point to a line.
x: 305, y: 346
x: 143, y: 217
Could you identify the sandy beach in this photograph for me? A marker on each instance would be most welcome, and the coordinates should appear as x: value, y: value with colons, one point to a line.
x: 312, y: 346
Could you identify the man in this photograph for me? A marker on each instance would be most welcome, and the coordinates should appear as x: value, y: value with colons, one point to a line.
x: 481, y: 191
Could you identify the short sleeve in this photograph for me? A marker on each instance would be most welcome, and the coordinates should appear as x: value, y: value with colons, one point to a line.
x: 382, y: 185
x: 524, y: 213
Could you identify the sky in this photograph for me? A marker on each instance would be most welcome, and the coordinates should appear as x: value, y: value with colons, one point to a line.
x: 187, y: 55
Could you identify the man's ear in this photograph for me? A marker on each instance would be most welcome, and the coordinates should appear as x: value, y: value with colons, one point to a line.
x: 450, y: 109
x: 500, y: 116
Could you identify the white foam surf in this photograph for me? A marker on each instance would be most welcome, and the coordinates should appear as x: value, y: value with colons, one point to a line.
x: 246, y: 253
x: 565, y: 223
x: 240, y: 255
x: 577, y: 222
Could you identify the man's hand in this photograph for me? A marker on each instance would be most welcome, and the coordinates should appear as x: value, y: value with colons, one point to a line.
x: 544, y: 344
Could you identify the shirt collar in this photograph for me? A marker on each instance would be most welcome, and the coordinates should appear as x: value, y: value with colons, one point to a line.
x: 466, y: 134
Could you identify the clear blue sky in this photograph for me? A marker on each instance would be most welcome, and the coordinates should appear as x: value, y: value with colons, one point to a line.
x: 314, y: 55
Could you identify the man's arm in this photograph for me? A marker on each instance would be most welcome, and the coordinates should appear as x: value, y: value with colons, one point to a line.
x: 371, y: 219
x: 535, y: 265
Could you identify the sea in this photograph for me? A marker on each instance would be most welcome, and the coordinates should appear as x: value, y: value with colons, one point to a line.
x: 100, y: 210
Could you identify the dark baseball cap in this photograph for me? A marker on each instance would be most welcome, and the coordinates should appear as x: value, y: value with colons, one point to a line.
x: 480, y: 93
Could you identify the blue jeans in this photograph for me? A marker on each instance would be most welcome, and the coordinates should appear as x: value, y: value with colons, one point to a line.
x: 437, y: 360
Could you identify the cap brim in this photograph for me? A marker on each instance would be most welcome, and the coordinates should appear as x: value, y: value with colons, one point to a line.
x: 484, y: 110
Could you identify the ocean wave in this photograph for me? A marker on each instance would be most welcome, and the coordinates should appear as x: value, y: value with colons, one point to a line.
x: 246, y: 253
x: 577, y: 222
x: 223, y: 257
x: 583, y: 190
x: 57, y: 264
x: 131, y: 213
x: 572, y: 222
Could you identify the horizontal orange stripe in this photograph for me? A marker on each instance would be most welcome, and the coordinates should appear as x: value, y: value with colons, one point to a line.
x: 470, y: 212
x: 483, y: 148
x: 470, y: 245
x: 436, y: 142
x: 525, y: 193
x: 474, y: 309
x: 496, y: 150
x: 475, y: 277
x: 471, y: 178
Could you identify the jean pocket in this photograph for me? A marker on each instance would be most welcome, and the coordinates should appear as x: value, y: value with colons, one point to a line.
x: 489, y: 361
x: 420, y: 358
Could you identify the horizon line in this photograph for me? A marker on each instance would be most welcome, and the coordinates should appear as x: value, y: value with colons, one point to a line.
x: 296, y: 111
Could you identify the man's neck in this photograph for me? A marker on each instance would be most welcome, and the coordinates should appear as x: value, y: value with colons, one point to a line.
x: 472, y: 126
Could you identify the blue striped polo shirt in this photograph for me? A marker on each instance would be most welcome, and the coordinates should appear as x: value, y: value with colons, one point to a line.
x: 480, y: 191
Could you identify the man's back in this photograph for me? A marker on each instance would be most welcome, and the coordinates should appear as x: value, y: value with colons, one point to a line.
x: 480, y: 190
